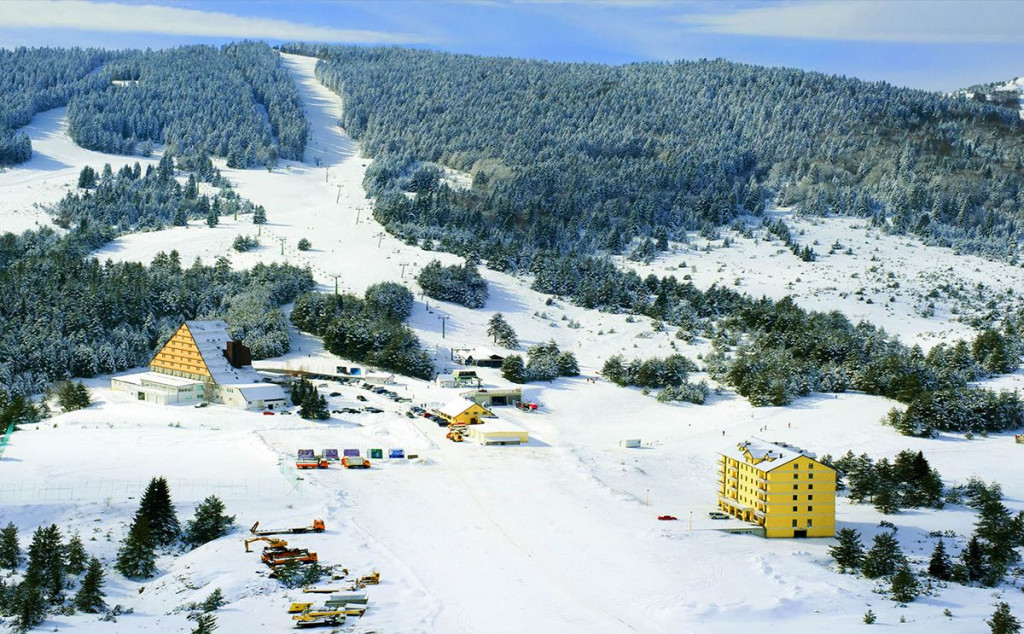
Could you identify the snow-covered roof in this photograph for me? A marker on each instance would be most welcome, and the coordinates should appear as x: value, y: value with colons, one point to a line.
x: 136, y: 378
x: 766, y: 455
x: 497, y: 425
x: 476, y: 353
x: 260, y: 391
x: 456, y: 407
x: 212, y: 338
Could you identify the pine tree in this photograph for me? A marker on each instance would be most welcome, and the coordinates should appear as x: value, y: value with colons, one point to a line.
x: 46, y: 562
x: 212, y: 219
x: 1002, y: 621
x: 137, y: 556
x: 214, y: 601
x: 304, y: 244
x: 884, y: 558
x: 29, y: 606
x: 90, y: 594
x: 869, y: 617
x: 209, y: 523
x: 206, y: 622
x: 904, y: 587
x: 501, y: 332
x: 973, y: 562
x: 75, y: 555
x: 158, y: 509
x: 513, y: 369
x: 314, y: 406
x: 849, y: 552
x: 10, y: 549
x: 567, y: 365
x: 259, y: 215
x: 940, y: 566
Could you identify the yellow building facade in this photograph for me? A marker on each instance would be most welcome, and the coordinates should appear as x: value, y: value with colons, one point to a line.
x: 780, y: 487
x: 464, y: 412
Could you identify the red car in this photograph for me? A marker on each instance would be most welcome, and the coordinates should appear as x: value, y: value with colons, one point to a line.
x: 268, y: 413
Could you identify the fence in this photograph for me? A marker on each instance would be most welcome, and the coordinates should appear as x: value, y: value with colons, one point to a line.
x: 120, y: 491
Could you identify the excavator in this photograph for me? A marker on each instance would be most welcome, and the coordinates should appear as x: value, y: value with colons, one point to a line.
x: 276, y: 544
x: 317, y: 527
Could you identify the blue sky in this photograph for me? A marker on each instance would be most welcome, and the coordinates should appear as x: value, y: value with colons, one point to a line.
x: 936, y: 45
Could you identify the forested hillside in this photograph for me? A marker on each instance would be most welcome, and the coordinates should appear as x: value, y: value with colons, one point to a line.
x: 75, y: 316
x: 37, y: 79
x: 588, y: 157
x: 199, y: 100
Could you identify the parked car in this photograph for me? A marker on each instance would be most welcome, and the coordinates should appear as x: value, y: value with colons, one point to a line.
x: 373, y: 410
x: 286, y: 413
x: 718, y: 515
x: 348, y: 410
x: 268, y: 413
x: 360, y: 397
x: 335, y: 393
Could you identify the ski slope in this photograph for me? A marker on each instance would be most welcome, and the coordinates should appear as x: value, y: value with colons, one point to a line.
x: 559, y: 535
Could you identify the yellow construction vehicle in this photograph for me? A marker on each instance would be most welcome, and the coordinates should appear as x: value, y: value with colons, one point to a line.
x: 271, y: 543
x: 371, y: 579
x: 456, y: 433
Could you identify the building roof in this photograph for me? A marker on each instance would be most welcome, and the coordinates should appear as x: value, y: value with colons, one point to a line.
x: 458, y: 406
x: 212, y: 338
x: 261, y: 391
x: 136, y: 378
x: 499, y: 426
x: 766, y: 455
x: 476, y: 353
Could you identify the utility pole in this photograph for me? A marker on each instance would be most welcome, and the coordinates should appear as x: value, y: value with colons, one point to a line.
x: 380, y: 236
x: 282, y: 245
x: 359, y: 210
x: 403, y: 265
x: 338, y: 197
x: 444, y: 318
x: 335, y: 284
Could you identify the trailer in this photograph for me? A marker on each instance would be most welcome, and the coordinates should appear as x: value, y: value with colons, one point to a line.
x: 280, y: 558
x: 317, y: 527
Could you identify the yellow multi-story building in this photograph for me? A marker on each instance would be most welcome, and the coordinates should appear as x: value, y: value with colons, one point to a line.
x: 780, y: 487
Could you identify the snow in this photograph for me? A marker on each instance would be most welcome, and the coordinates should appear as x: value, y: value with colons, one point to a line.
x: 557, y: 535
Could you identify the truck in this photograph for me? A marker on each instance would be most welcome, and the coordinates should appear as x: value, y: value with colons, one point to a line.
x: 307, y: 459
x: 317, y: 527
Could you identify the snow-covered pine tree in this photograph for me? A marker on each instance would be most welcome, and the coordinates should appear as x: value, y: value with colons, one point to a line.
x: 90, y: 593
x: 137, y: 556
x: 209, y: 522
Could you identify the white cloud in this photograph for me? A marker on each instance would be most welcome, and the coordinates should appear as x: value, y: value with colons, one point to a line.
x: 908, y: 21
x: 83, y: 15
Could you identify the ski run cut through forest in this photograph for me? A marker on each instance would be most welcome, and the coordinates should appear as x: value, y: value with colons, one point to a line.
x: 546, y: 375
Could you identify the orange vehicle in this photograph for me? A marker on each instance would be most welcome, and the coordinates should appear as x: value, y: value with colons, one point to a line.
x: 317, y: 527
x: 279, y: 558
x: 355, y: 462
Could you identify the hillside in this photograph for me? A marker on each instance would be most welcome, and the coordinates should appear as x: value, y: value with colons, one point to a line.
x: 557, y: 535
x: 587, y: 157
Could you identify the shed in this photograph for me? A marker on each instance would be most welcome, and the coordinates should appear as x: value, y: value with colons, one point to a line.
x: 489, y: 397
x: 499, y: 432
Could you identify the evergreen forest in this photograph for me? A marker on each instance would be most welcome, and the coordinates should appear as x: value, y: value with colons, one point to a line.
x: 587, y: 157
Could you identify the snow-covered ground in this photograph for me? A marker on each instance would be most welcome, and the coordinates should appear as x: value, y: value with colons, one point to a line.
x: 560, y: 535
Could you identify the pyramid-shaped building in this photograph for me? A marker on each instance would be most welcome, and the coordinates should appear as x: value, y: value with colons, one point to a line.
x: 201, y: 363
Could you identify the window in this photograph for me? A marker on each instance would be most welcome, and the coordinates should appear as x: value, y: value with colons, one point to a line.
x: 808, y: 523
x: 794, y: 523
x: 810, y: 497
x: 794, y: 498
x: 810, y: 465
x: 796, y: 476
x: 810, y: 509
x: 797, y: 486
x: 810, y: 476
x: 142, y: 396
x: 795, y: 509
x: 810, y: 486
